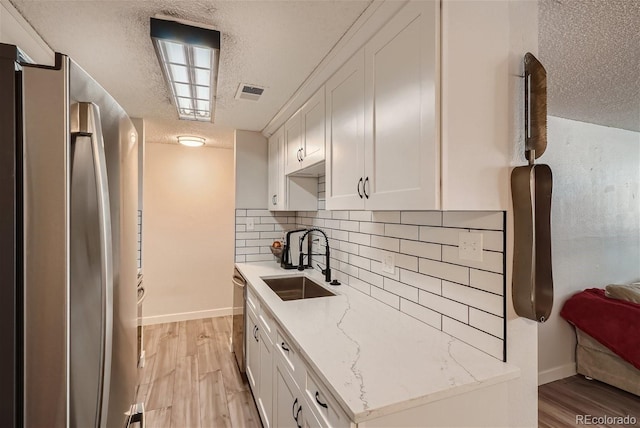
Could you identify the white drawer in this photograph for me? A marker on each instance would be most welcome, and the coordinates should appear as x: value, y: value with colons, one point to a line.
x: 253, y: 304
x: 330, y: 414
x: 267, y: 324
x: 289, y: 355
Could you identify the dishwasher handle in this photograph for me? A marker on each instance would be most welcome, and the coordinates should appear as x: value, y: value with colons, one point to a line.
x: 239, y: 281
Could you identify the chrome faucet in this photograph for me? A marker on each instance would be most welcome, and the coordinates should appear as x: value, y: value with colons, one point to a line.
x: 327, y: 270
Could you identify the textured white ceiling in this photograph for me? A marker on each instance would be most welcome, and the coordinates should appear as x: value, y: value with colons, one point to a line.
x: 591, y: 50
x: 275, y: 44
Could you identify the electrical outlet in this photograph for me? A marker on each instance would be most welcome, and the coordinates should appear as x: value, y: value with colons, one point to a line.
x: 250, y: 223
x: 389, y: 263
x: 470, y: 246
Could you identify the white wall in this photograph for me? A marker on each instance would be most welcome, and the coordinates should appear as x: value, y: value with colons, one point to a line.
x: 251, y: 169
x: 595, y: 224
x: 188, y: 232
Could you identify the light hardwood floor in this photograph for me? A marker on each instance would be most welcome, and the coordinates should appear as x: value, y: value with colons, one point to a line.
x: 190, y: 378
x: 559, y: 402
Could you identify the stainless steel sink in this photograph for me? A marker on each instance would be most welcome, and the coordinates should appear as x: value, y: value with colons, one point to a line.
x: 296, y: 287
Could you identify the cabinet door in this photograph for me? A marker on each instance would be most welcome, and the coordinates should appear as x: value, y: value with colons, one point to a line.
x: 402, y: 168
x: 293, y: 143
x: 345, y: 136
x: 287, y: 401
x: 313, y: 128
x: 277, y: 194
x: 253, y: 354
x: 265, y: 398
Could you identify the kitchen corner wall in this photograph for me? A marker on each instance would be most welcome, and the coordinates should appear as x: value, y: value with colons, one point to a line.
x: 188, y: 232
x: 430, y: 282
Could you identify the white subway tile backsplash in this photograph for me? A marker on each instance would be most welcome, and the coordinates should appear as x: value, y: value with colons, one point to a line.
x: 258, y: 213
x: 385, y: 297
x: 268, y: 228
x: 332, y: 224
x: 421, y: 313
x: 259, y: 257
x: 430, y: 282
x: 486, y: 322
x: 421, y: 249
x: 372, y: 228
x: 491, y: 261
x: 372, y: 253
x: 257, y: 242
x: 247, y: 235
x: 491, y: 240
x: 492, y: 220
x: 446, y: 271
x: 371, y: 278
x: 423, y: 218
x: 341, y: 235
x: 360, y: 215
x: 340, y: 215
x: 248, y: 250
x: 349, y: 247
x: 386, y: 216
x: 390, y: 244
x: 406, y: 262
x: 360, y: 238
x: 487, y: 281
x: 475, y: 298
x: 423, y: 282
x: 445, y: 306
x: 359, y: 285
x: 474, y: 337
x: 376, y: 267
x: 361, y: 262
x: 439, y: 235
x: 352, y: 226
x: 403, y: 290
x: 401, y: 231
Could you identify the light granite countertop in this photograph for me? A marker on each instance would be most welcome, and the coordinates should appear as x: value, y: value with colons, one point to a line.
x: 374, y: 359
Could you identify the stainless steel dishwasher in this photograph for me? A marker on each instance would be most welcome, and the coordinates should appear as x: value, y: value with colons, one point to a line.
x: 237, y: 336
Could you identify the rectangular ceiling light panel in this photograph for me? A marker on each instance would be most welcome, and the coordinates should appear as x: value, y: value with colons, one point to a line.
x: 189, y: 58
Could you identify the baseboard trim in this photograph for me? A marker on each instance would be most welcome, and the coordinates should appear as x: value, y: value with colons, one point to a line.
x: 556, y: 373
x: 184, y: 316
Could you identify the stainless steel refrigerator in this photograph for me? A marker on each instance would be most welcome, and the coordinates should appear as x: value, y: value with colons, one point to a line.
x: 68, y: 222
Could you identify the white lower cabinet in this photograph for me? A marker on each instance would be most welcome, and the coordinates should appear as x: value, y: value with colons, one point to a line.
x: 287, y: 393
x: 259, y: 363
x: 252, y: 352
x: 265, y: 396
x: 288, y: 405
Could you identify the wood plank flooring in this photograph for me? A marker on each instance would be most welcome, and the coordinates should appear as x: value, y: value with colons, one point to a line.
x: 559, y: 402
x: 190, y: 378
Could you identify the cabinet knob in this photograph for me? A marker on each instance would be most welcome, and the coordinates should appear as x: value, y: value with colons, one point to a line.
x: 284, y: 347
x: 359, y: 183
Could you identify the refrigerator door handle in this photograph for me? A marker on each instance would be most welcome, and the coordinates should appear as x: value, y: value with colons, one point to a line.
x: 86, y: 124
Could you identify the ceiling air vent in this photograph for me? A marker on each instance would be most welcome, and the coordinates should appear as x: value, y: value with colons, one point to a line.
x: 249, y: 92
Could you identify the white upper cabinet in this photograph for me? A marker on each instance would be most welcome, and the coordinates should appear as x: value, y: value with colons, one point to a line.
x: 312, y: 118
x: 304, y: 138
x: 277, y: 194
x: 345, y: 136
x: 292, y: 143
x: 402, y: 146
x: 383, y: 139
